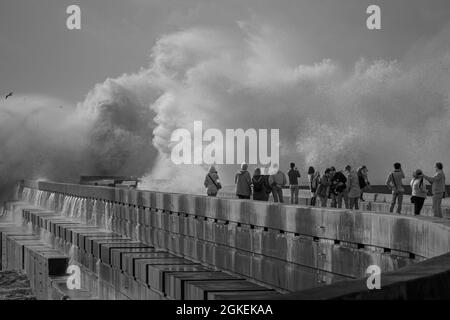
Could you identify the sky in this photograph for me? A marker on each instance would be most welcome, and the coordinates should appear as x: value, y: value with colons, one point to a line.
x: 38, y: 55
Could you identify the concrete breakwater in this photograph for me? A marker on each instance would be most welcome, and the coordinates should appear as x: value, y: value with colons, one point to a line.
x: 263, y: 249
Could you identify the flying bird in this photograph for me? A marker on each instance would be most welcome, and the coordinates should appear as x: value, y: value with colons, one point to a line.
x: 9, y: 95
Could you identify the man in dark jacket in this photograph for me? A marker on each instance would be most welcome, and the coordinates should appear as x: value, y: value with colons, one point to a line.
x: 339, y: 189
x: 243, y: 182
x: 293, y: 175
x: 261, y: 189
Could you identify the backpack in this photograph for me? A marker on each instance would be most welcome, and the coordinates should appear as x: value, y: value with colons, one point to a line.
x: 258, y: 184
x: 218, y: 185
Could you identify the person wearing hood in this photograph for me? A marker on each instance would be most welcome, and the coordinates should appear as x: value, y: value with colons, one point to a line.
x: 212, y: 182
x: 277, y: 181
x: 243, y: 182
x: 261, y: 188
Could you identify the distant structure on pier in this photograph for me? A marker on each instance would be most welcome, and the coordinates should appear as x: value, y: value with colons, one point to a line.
x: 128, y: 182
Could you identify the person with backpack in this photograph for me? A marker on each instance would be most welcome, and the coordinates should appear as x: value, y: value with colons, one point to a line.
x: 212, y: 182
x: 261, y: 190
x: 243, y: 182
x: 418, y: 191
x: 293, y: 175
x: 313, y: 178
x: 395, y: 183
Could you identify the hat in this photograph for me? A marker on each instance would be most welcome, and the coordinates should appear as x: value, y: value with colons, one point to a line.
x: 418, y: 173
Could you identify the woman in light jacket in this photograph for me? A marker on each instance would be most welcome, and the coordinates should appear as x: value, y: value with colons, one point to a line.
x: 419, y: 191
x: 212, y: 182
x: 354, y: 190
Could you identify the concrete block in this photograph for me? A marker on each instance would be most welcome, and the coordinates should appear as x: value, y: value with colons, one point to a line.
x: 175, y: 281
x: 200, y: 290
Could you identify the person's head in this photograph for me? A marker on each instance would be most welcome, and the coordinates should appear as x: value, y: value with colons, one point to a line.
x: 333, y: 170
x: 397, y: 166
x: 327, y: 171
x: 212, y: 169
x: 292, y: 165
x: 348, y: 168
x: 275, y: 168
x: 417, y: 174
x: 311, y: 170
x: 439, y: 166
x: 244, y: 166
x: 257, y: 172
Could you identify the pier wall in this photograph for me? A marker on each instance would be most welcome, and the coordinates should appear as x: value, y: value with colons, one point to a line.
x: 291, y: 248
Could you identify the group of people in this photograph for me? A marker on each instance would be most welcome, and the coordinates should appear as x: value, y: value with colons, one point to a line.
x: 259, y: 186
x: 419, y: 191
x: 346, y: 186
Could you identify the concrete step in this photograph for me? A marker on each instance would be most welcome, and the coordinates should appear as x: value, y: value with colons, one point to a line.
x: 135, y: 269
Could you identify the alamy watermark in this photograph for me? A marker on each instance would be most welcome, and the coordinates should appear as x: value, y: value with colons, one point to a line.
x: 374, y: 280
x: 234, y: 147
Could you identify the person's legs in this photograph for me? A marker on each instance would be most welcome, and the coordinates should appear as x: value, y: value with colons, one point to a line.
x: 394, y: 199
x: 437, y: 200
x: 313, y: 201
x: 297, y: 189
x: 346, y: 199
x: 292, y: 194
x: 418, y: 205
x: 323, y: 201
x: 356, y: 203
x: 280, y: 195
x: 399, y: 202
x: 275, y: 194
x: 339, y: 200
x: 351, y: 203
x: 333, y: 200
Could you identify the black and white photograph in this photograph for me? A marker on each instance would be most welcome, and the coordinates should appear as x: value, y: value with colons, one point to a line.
x: 219, y: 158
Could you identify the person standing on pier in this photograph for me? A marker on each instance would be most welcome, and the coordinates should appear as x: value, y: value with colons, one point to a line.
x: 395, y: 183
x: 418, y: 191
x: 261, y: 188
x: 437, y: 189
x: 340, y: 189
x: 314, y: 179
x: 364, y: 184
x: 332, y: 191
x: 212, y: 182
x: 293, y: 175
x: 277, y: 181
x: 323, y: 188
x: 354, y: 190
x: 243, y: 182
